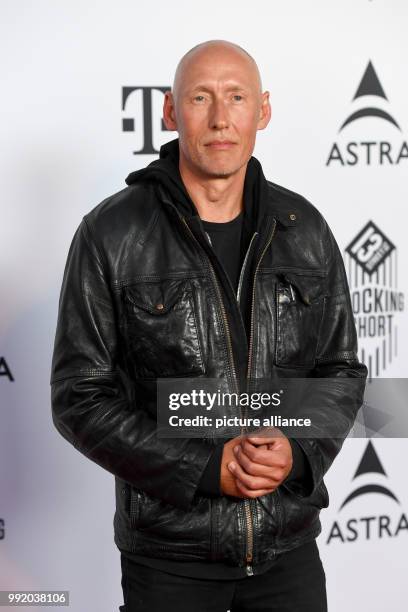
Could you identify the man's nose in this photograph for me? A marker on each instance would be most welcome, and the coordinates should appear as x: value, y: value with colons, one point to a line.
x: 219, y: 115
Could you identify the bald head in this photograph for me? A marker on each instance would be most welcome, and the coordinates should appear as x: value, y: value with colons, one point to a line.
x: 217, y: 106
x: 215, y: 52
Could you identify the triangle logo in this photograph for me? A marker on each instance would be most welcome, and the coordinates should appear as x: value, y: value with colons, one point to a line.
x: 369, y: 463
x: 370, y: 84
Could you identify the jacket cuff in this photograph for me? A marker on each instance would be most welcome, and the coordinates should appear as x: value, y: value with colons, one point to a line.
x: 300, y: 478
x: 209, y: 484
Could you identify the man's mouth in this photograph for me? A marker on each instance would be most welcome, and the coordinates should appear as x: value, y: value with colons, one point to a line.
x: 220, y: 144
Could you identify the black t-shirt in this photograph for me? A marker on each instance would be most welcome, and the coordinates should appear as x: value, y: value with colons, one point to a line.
x: 225, y: 239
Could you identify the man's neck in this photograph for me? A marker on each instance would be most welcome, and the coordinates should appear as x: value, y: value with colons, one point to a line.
x: 216, y: 199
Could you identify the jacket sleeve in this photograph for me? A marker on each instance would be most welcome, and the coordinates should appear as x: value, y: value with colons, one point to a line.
x: 336, y: 359
x: 210, y: 482
x: 91, y: 405
x: 300, y: 471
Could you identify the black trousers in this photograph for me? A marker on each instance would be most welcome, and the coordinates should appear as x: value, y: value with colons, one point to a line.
x: 296, y: 583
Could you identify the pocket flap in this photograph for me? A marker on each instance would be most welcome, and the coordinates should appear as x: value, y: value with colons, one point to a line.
x: 310, y: 287
x: 155, y: 298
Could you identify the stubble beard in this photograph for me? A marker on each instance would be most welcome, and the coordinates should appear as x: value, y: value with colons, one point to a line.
x: 210, y: 169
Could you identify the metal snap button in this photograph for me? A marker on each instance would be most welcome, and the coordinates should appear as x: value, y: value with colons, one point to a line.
x: 159, y: 306
x: 292, y: 217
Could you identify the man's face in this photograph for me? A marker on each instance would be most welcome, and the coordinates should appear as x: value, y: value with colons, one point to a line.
x: 217, y: 107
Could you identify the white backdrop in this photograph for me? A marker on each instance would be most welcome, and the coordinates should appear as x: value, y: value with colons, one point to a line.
x: 64, y: 150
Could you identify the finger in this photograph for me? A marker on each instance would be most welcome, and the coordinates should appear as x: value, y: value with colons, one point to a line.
x: 257, y: 454
x: 249, y: 466
x: 251, y: 482
x: 262, y: 440
x: 264, y: 433
x: 251, y: 492
x: 270, y: 457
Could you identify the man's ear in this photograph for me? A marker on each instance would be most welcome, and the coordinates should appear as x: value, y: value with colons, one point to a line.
x: 265, y: 112
x: 169, y: 113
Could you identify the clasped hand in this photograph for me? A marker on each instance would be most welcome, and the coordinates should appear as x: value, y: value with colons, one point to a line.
x: 254, y: 465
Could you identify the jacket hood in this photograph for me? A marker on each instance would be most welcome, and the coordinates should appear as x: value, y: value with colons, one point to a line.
x: 166, y: 171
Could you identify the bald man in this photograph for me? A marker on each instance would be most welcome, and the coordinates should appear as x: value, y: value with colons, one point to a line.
x: 198, y: 268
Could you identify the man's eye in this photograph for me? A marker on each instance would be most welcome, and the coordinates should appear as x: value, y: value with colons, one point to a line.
x: 199, y: 98
x: 237, y: 97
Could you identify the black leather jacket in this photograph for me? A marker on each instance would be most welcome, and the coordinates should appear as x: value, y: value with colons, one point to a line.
x: 139, y: 249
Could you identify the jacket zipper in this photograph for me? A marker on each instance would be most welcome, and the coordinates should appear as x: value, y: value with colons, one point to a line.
x: 247, y: 502
x: 241, y: 276
x: 253, y: 299
x: 247, y: 506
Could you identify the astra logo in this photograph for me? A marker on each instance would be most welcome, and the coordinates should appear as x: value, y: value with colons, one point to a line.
x: 371, y: 264
x: 5, y: 370
x: 387, y: 525
x: 368, y: 118
x: 145, y: 106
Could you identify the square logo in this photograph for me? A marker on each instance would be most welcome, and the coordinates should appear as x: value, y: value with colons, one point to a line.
x: 370, y: 248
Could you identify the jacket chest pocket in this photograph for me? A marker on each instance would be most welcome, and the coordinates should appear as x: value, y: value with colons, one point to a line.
x: 299, y: 312
x: 160, y: 328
